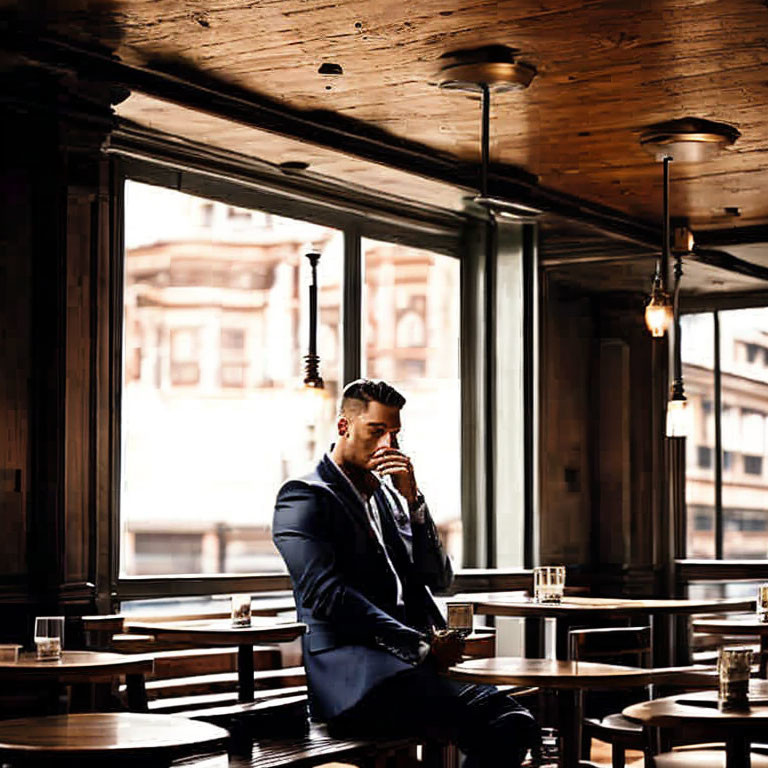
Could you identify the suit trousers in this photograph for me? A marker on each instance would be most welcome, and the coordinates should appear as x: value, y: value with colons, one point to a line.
x: 488, y: 726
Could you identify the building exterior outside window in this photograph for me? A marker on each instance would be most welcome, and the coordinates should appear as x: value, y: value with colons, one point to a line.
x: 214, y: 417
x: 744, y: 428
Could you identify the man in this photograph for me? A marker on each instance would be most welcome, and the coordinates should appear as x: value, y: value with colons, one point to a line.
x: 363, y: 553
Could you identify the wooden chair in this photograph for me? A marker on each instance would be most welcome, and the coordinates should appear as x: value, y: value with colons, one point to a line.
x: 629, y: 646
x: 619, y: 645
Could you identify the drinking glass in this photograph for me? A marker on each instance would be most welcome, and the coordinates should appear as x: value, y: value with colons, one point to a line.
x: 241, y: 610
x: 548, y: 583
x: 49, y: 637
x: 762, y: 602
x: 733, y: 669
x: 460, y: 618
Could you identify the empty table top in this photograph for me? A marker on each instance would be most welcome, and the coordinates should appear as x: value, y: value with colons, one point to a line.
x: 550, y: 673
x: 738, y: 625
x: 108, y: 734
x: 76, y: 665
x: 221, y: 631
x: 512, y: 604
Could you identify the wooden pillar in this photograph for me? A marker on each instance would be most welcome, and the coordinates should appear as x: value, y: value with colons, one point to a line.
x: 54, y: 183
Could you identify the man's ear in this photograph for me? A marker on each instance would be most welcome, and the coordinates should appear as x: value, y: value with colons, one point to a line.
x: 342, y: 426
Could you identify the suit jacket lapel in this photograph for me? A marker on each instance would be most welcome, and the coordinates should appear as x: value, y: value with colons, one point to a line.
x: 341, y: 489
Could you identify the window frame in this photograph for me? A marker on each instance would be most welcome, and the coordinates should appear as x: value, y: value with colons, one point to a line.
x: 719, y: 569
x: 363, y: 216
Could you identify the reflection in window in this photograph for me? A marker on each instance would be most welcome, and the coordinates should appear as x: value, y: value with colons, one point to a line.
x: 213, y: 412
x: 411, y: 339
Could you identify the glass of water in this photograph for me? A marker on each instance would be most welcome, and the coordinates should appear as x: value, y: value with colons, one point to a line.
x: 49, y: 637
x: 241, y: 610
x: 733, y: 666
x: 460, y: 618
x: 548, y: 583
x: 762, y: 602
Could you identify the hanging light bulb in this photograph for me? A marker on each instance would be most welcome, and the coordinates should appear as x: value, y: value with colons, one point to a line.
x: 658, y: 311
x: 679, y: 417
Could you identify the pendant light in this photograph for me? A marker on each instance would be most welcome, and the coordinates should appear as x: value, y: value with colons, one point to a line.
x: 686, y: 140
x: 483, y: 71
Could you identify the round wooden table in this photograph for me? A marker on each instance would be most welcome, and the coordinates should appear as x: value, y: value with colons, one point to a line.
x: 566, y: 678
x: 107, y: 738
x: 746, y: 626
x: 79, y: 668
x: 590, y: 611
x: 221, y: 633
x: 736, y: 729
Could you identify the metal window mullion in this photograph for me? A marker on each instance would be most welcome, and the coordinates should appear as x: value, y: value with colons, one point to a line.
x: 352, y: 309
x: 717, y: 407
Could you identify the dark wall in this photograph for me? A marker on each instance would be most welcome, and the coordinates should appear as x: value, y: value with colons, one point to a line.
x: 601, y: 439
x: 54, y: 348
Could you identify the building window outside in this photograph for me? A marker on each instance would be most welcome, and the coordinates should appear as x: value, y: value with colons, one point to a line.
x: 214, y: 419
x: 704, y: 456
x: 743, y: 424
x: 410, y: 337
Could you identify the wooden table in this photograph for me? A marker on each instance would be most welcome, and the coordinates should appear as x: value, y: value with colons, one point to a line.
x: 566, y: 678
x: 107, y: 738
x: 747, y: 626
x: 736, y: 729
x: 587, y: 611
x: 221, y: 633
x: 84, y: 668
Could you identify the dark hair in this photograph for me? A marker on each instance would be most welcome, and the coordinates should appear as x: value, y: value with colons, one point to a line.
x: 371, y: 390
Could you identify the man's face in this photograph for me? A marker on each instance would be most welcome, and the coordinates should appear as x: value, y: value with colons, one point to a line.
x: 368, y: 430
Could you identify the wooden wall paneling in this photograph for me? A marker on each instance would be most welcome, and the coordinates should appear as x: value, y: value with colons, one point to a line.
x: 15, y: 276
x: 566, y: 465
x: 612, y: 503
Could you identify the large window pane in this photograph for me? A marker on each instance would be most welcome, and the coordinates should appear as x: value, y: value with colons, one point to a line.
x: 411, y: 339
x: 744, y: 365
x: 214, y: 417
x: 697, y: 336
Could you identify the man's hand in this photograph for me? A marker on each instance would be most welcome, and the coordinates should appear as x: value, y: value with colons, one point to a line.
x: 391, y: 461
x: 446, y: 649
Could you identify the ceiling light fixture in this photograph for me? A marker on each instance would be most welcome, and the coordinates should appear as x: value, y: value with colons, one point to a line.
x: 480, y: 72
x: 689, y: 139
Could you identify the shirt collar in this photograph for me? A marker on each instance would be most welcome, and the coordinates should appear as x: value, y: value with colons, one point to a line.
x: 340, y: 473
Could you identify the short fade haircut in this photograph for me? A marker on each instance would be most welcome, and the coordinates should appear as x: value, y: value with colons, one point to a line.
x: 370, y: 390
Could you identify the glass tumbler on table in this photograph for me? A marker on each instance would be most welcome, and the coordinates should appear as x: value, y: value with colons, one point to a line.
x: 733, y: 670
x: 762, y: 602
x: 460, y: 618
x: 49, y: 637
x: 241, y: 610
x: 548, y: 583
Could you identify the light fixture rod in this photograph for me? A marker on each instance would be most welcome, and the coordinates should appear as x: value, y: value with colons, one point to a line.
x: 311, y: 360
x: 313, y: 259
x: 677, y: 383
x: 665, y: 235
x: 485, y: 139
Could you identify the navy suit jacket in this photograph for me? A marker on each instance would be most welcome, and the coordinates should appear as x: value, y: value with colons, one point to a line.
x: 357, y: 635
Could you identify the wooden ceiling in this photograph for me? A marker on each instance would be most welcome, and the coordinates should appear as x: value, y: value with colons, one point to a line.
x: 605, y: 69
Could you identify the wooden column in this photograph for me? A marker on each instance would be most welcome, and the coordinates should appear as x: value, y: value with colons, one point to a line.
x: 55, y: 339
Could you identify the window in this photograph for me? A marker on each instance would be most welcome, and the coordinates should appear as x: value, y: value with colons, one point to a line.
x: 411, y: 339
x: 215, y: 418
x: 740, y: 527
x: 704, y: 453
x: 212, y: 421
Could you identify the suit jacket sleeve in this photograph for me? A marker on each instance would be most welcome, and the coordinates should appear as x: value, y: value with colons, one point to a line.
x: 429, y: 556
x: 302, y: 533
